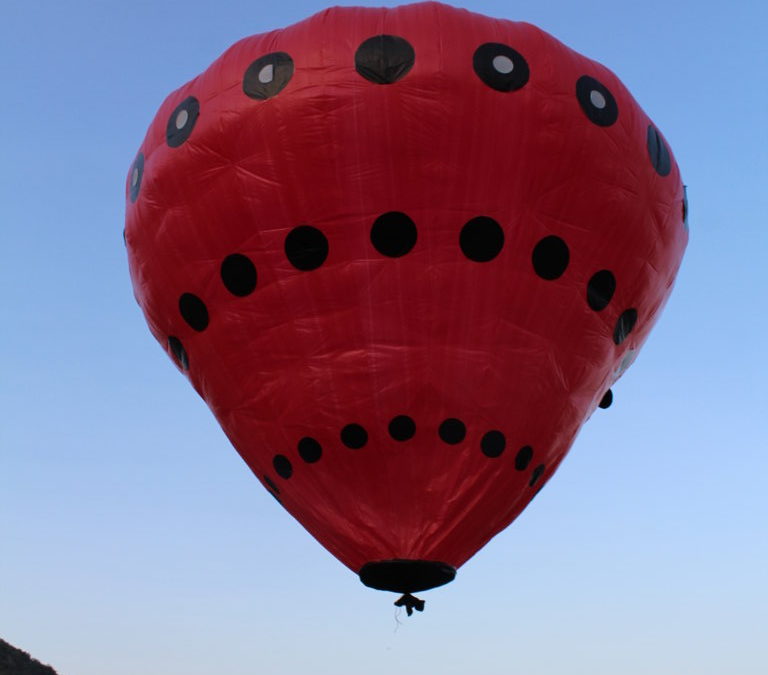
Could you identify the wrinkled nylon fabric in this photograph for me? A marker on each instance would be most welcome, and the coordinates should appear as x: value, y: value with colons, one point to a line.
x: 432, y: 334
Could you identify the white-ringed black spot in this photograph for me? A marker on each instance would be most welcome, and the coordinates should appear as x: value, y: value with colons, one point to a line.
x: 600, y: 289
x: 182, y: 121
x: 310, y: 450
x: 624, y: 325
x: 306, y: 247
x: 500, y: 67
x: 550, y: 258
x: 393, y: 234
x: 354, y: 436
x: 135, y: 176
x: 536, y: 474
x: 452, y: 431
x: 606, y: 401
x: 596, y: 101
x: 268, y: 75
x: 523, y: 458
x: 503, y: 64
x: 283, y: 466
x: 402, y: 428
x: 193, y: 311
x: 493, y: 443
x: 178, y: 352
x: 658, y: 152
x: 384, y: 59
x: 238, y: 274
x: 481, y: 239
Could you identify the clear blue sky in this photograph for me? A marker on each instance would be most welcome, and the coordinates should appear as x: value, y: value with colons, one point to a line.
x: 133, y: 539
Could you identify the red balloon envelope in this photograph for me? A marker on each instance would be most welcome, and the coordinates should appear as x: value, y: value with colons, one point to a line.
x: 403, y: 254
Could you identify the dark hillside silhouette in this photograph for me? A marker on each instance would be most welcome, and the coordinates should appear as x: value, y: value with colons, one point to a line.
x: 17, y: 662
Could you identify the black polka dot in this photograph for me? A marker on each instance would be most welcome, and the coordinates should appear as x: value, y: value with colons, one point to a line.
x: 384, y: 59
x: 402, y: 428
x: 481, y: 239
x: 607, y: 399
x: 354, y: 436
x: 600, y: 289
x: 658, y: 152
x: 306, y: 247
x: 550, y: 258
x: 271, y: 484
x: 536, y: 474
x: 268, y: 75
x: 135, y: 176
x: 452, y: 431
x: 283, y: 466
x: 500, y: 67
x: 178, y: 352
x: 193, y: 311
x: 393, y: 234
x: 493, y: 443
x: 238, y: 274
x: 182, y: 121
x: 624, y: 325
x: 523, y: 458
x: 310, y: 450
x: 685, y: 205
x: 596, y: 101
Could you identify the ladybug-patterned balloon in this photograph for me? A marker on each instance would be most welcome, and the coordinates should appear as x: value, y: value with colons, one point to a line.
x: 403, y: 254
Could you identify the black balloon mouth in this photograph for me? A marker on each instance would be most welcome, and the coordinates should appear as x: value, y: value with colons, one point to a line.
x: 406, y: 576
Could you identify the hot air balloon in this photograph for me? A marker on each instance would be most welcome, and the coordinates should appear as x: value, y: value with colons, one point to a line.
x: 403, y: 254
